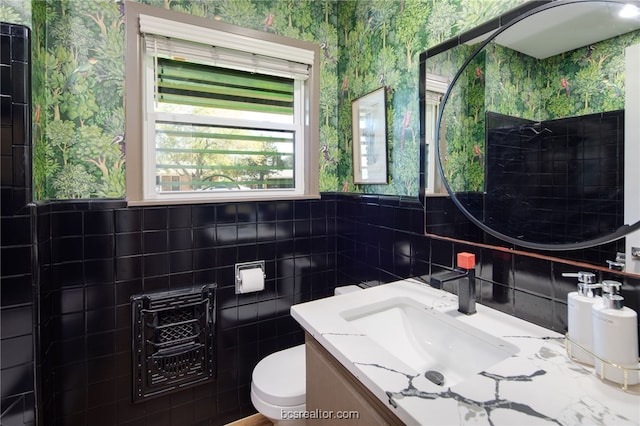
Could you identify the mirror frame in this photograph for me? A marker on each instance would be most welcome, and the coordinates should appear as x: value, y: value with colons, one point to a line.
x: 498, y: 27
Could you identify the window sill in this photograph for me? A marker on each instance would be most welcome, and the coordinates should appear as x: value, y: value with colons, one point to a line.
x: 254, y: 198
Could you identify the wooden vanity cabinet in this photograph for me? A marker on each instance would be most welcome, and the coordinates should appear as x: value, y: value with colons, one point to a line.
x: 333, y: 388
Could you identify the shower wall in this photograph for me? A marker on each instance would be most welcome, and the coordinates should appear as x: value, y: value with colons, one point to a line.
x: 563, y: 179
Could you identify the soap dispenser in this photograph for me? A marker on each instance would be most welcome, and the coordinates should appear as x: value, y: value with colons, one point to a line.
x: 579, y: 322
x: 615, y: 336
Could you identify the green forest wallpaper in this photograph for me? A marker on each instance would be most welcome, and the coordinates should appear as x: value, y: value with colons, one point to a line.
x: 78, y: 67
x: 579, y: 82
x: 583, y: 81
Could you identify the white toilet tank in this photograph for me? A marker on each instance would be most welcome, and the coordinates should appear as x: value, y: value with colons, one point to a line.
x: 346, y: 289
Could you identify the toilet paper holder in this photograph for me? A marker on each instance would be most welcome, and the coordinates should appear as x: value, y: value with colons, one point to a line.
x: 247, y: 265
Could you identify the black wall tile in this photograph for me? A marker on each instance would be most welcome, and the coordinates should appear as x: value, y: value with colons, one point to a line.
x: 284, y: 229
x: 15, y: 260
x: 99, y: 222
x: 128, y: 268
x: 155, y: 218
x: 72, y: 376
x: 67, y: 274
x: 16, y: 290
x: 102, y: 370
x: 247, y: 233
x: 101, y: 344
x: 180, y: 261
x: 99, y: 271
x: 246, y: 212
x: 204, y: 258
x: 70, y: 300
x: 15, y: 231
x: 539, y: 310
x: 247, y: 253
x: 15, y: 321
x: 533, y: 275
x: 17, y: 350
x: 306, y: 254
x: 16, y: 380
x: 66, y: 224
x: 266, y: 212
x: 156, y: 264
x: 128, y: 220
x: 104, y: 415
x: 179, y: 217
x: 68, y: 326
x: 267, y: 231
x: 227, y: 234
x: 226, y: 213
x: 186, y: 279
x: 204, y: 237
x: 99, y: 246
x: 128, y: 244
x: 203, y: 215
x: 180, y: 239
x: 154, y: 241
x: 284, y: 210
x: 67, y: 249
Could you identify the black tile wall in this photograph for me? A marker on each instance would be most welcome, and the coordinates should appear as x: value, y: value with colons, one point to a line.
x: 102, y: 253
x: 374, y: 247
x: 578, y: 180
x: 17, y: 373
x: 112, y: 252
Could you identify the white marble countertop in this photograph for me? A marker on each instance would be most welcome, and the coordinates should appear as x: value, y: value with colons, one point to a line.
x: 539, y: 385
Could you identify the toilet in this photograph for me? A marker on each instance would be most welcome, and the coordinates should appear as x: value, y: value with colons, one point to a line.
x: 278, y: 382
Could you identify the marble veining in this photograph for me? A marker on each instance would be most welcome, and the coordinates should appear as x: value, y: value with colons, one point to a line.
x: 537, y: 385
x: 487, y: 406
x: 410, y: 391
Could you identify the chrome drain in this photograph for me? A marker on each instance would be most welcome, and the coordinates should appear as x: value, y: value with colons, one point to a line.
x: 435, y: 377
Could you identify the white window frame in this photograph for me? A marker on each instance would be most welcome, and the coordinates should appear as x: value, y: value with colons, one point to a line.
x: 436, y: 87
x: 141, y: 118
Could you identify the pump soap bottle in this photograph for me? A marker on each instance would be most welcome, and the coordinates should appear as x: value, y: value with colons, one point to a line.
x: 580, y: 329
x: 615, y: 336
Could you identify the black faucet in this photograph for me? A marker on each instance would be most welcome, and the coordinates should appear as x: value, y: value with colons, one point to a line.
x: 466, y: 291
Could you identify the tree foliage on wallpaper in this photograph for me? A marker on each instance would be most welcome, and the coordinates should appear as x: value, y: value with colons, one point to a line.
x: 15, y: 12
x: 462, y: 125
x: 78, y: 82
x: 582, y: 81
x: 365, y: 44
x: 379, y: 44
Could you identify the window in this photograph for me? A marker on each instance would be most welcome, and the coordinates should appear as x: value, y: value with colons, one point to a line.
x: 436, y: 87
x: 216, y: 112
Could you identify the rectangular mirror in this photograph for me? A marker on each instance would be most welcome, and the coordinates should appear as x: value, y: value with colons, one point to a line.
x: 370, y: 138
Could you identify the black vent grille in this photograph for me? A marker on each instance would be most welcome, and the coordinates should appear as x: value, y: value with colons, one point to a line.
x: 173, y: 340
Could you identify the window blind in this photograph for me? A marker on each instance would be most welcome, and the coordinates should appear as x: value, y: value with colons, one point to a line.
x: 180, y: 50
x: 225, y: 39
x: 207, y: 86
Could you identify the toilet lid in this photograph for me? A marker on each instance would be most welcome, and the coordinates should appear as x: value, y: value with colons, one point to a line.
x: 280, y: 378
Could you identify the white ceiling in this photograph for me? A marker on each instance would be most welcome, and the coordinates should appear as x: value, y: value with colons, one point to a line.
x: 567, y: 27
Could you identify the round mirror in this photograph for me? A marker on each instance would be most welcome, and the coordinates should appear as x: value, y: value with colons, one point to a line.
x: 531, y: 131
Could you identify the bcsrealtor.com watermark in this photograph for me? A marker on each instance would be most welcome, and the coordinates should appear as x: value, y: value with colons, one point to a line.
x: 318, y: 414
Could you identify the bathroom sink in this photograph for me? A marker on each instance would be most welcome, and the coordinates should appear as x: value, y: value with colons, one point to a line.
x: 429, y: 341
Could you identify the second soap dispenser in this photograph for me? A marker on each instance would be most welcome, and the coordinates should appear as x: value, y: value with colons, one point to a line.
x: 615, y: 337
x: 579, y: 321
